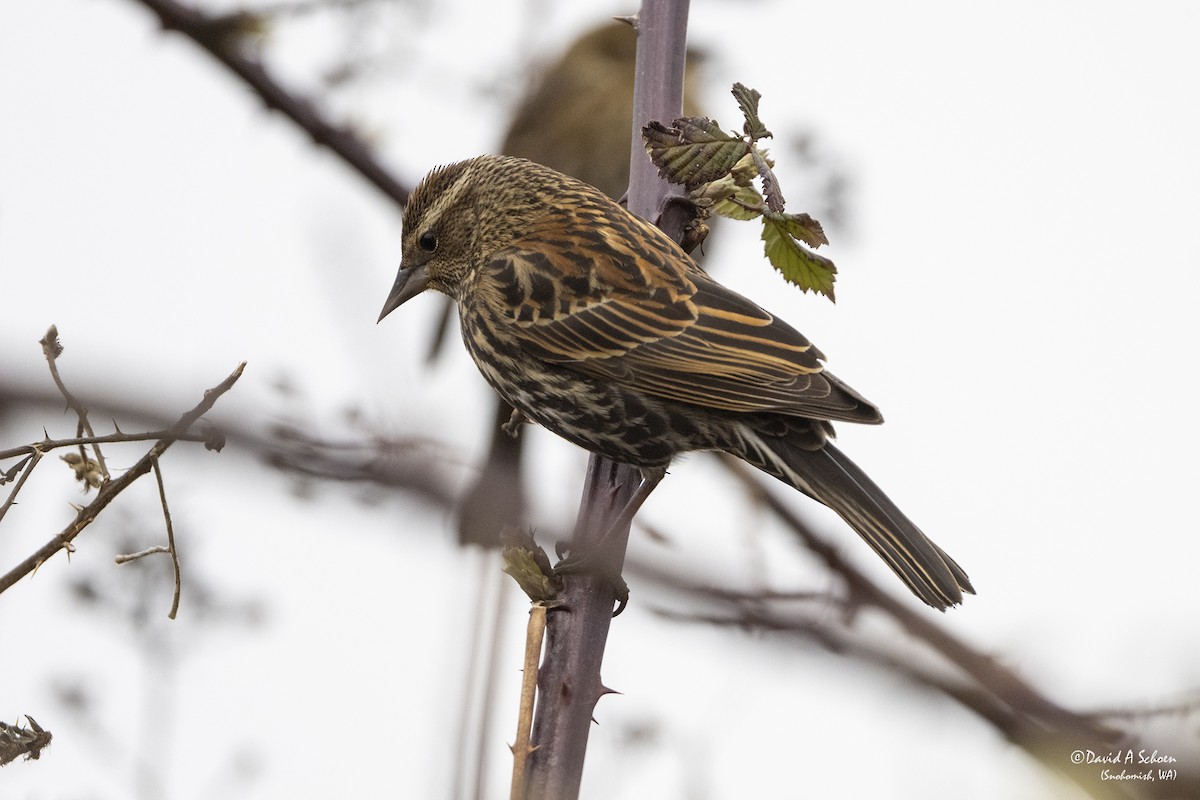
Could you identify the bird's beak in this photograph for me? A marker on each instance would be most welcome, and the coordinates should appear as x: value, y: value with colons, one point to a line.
x: 409, y: 283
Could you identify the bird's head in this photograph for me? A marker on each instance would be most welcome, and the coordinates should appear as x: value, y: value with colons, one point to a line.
x: 459, y: 215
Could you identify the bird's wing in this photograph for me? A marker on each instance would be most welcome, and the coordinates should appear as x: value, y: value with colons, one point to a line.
x: 663, y: 328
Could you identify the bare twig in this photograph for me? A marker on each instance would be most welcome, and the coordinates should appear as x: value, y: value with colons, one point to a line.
x: 25, y: 467
x: 162, y: 495
x: 221, y: 39
x: 46, y: 445
x: 417, y: 465
x: 114, y: 487
x: 125, y: 558
x: 52, y: 349
x: 522, y: 747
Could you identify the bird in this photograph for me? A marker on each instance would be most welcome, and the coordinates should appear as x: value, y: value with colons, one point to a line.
x: 594, y: 324
x: 576, y: 117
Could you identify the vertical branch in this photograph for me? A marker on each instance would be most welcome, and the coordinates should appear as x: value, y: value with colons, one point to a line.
x: 52, y: 349
x: 522, y: 746
x: 569, y: 682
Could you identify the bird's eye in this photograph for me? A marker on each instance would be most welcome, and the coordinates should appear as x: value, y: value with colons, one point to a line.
x: 428, y: 241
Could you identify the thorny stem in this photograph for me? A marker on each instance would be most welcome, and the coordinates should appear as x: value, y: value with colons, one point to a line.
x: 110, y: 489
x: 569, y: 683
x: 26, y: 468
x: 46, y: 445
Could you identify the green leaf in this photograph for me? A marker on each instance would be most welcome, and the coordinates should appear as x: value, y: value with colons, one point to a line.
x: 693, y: 151
x: 747, y: 100
x: 804, y: 228
x: 528, y: 564
x: 795, y: 262
x: 744, y: 204
x: 770, y: 183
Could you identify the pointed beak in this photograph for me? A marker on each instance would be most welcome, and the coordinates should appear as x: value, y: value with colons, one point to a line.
x: 409, y: 283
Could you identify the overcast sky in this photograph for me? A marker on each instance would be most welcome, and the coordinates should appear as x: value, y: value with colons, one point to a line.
x: 1016, y: 291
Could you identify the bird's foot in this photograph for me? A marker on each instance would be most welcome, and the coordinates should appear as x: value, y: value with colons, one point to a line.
x: 515, y: 421
x: 589, y: 564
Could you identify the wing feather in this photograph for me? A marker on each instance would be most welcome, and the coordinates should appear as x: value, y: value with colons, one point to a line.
x: 654, y: 322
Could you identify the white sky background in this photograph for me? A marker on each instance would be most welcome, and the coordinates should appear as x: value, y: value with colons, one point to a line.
x: 1017, y: 293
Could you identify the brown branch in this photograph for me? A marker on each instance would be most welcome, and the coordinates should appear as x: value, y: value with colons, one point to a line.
x: 223, y: 37
x: 863, y: 591
x: 411, y: 464
x: 110, y: 489
x: 162, y: 496
x: 25, y: 467
x: 1047, y: 741
x: 46, y: 445
x: 522, y: 746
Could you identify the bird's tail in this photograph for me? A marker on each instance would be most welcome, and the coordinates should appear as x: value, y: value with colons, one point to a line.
x: 828, y: 476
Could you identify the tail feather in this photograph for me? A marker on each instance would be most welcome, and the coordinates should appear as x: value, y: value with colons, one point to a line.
x: 828, y: 476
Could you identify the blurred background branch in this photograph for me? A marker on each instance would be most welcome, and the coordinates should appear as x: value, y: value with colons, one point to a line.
x: 856, y: 619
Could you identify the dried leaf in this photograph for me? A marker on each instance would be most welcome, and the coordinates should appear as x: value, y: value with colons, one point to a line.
x: 771, y: 190
x: 16, y: 741
x: 747, y: 100
x: 51, y: 346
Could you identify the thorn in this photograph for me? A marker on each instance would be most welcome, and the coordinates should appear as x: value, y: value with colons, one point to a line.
x: 631, y: 20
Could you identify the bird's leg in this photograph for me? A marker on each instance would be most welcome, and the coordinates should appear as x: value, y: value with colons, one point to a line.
x: 595, y: 560
x: 651, y: 477
x: 515, y: 421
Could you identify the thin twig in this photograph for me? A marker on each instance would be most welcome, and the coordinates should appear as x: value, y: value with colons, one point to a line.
x: 162, y: 495
x: 125, y: 558
x: 46, y: 445
x: 418, y: 465
x: 114, y: 487
x: 52, y: 349
x: 521, y: 748
x: 26, y: 468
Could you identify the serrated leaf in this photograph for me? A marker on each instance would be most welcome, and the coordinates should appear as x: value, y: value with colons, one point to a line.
x: 795, y: 262
x: 747, y: 100
x: 771, y: 190
x: 693, y: 151
x: 804, y: 228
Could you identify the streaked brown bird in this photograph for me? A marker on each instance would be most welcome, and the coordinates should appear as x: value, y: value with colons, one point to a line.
x: 594, y: 324
x: 577, y: 118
